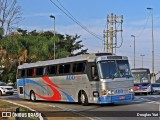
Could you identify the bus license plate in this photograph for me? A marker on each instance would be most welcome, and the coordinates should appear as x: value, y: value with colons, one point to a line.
x: 122, y: 97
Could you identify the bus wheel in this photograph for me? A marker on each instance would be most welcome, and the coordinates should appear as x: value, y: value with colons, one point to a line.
x: 32, y: 96
x: 84, y: 99
x: 0, y: 93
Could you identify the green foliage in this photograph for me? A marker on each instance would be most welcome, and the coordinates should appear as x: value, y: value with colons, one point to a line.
x: 1, y: 33
x: 40, y: 47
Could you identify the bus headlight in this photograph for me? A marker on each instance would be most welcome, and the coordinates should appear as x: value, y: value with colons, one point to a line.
x: 104, y: 92
x: 110, y: 92
x: 107, y: 92
x: 131, y: 90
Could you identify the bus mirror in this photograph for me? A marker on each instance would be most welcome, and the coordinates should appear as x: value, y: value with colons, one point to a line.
x: 94, y: 73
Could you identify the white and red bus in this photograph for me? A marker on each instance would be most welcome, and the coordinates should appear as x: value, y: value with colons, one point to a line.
x: 142, y: 82
x: 90, y: 78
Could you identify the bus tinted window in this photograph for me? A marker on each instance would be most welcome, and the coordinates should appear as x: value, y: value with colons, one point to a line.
x: 20, y: 90
x: 155, y: 85
x: 52, y: 70
x: 21, y: 73
x: 65, y: 68
x: 39, y: 71
x: 78, y: 67
x: 30, y: 72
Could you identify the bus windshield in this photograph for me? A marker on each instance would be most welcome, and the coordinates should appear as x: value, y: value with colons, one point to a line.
x: 141, y: 77
x: 114, y: 69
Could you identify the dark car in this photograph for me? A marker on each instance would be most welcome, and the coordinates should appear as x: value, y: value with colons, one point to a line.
x: 155, y: 88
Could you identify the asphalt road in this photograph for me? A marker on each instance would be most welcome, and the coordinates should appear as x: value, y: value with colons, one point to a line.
x: 141, y: 106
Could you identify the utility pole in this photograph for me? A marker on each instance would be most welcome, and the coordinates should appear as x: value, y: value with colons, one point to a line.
x: 134, y: 49
x: 154, y: 80
x: 111, y: 32
x: 142, y: 59
x: 51, y: 16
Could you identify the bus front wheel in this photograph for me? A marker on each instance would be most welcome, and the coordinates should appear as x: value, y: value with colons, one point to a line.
x: 84, y: 99
x: 0, y: 93
x: 32, y: 96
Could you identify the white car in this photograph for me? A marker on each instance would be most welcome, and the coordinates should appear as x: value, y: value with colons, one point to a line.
x: 5, y: 89
x: 155, y: 88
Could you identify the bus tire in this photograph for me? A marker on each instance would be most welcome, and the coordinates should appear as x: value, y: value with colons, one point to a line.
x: 32, y: 96
x: 83, y: 99
x: 0, y: 93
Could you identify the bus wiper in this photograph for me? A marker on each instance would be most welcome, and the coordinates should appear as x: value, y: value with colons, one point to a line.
x: 113, y: 77
x: 127, y: 76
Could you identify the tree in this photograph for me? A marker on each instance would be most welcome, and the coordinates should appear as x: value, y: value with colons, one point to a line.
x: 72, y: 45
x: 35, y: 46
x: 10, y: 14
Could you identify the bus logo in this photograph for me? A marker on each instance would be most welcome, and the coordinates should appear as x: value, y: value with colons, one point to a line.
x: 70, y: 77
x: 6, y: 114
x: 119, y: 91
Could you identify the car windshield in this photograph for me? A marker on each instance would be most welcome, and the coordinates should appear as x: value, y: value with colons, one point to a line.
x: 114, y: 69
x: 3, y: 84
x: 155, y: 85
x: 141, y: 77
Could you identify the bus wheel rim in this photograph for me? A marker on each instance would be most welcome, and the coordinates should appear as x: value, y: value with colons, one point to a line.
x: 32, y: 96
x: 82, y: 98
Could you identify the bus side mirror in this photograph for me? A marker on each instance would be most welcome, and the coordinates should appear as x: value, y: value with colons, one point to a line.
x: 94, y: 74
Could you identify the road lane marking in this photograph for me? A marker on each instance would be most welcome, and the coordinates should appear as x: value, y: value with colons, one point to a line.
x: 159, y: 111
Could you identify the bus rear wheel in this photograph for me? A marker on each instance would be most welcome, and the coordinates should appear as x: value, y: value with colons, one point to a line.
x: 83, y: 99
x: 32, y: 96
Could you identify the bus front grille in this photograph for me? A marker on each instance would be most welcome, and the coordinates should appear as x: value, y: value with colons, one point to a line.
x: 119, y: 84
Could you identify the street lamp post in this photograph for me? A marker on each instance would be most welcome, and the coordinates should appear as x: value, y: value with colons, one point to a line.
x: 142, y: 59
x: 151, y: 9
x: 51, y: 16
x: 134, y: 48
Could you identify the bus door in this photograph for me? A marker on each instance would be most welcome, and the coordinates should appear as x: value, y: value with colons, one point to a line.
x: 21, y: 83
x: 95, y: 85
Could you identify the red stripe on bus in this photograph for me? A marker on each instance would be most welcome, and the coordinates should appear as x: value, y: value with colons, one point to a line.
x: 46, y: 78
x: 56, y: 95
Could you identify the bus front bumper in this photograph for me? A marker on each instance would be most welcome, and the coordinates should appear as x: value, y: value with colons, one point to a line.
x: 116, y: 98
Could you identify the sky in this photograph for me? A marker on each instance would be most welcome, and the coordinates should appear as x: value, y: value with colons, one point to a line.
x: 92, y: 14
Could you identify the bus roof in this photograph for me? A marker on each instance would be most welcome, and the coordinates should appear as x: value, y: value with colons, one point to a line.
x: 83, y: 57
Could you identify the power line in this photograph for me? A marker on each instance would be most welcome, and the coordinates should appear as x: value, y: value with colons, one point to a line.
x: 74, y: 17
x: 144, y: 27
x: 69, y: 15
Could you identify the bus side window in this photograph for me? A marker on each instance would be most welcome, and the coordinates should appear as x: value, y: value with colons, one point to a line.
x: 44, y: 71
x: 30, y: 72
x: 79, y: 67
x: 64, y: 68
x: 52, y: 70
x: 40, y: 71
x: 34, y: 72
x: 94, y: 74
x: 21, y: 73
